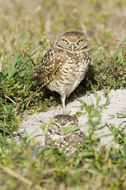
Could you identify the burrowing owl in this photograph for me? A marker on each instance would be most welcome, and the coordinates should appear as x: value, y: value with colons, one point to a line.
x: 65, y: 65
x: 64, y: 134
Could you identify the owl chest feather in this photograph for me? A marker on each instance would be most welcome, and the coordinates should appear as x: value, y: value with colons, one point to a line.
x: 70, y: 74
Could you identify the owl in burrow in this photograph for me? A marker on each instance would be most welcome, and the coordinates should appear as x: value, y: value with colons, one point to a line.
x: 64, y: 66
x: 64, y: 134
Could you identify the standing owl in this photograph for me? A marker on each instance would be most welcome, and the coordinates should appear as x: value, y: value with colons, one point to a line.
x: 64, y: 66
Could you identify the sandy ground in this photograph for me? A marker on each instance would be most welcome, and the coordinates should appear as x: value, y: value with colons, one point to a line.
x: 109, y: 115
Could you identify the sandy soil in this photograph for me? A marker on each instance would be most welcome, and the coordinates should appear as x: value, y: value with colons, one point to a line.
x: 109, y: 115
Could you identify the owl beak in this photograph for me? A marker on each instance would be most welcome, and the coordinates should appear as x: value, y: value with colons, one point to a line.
x: 72, y: 47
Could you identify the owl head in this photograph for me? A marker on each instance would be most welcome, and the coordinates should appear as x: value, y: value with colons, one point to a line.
x: 72, y: 42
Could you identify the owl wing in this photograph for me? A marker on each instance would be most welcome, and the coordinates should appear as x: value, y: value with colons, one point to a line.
x: 49, y: 66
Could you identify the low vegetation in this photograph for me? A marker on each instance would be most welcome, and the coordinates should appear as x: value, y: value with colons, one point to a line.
x: 27, y: 31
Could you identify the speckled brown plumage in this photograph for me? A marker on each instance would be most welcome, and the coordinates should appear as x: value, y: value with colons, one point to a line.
x: 65, y: 65
x: 62, y: 134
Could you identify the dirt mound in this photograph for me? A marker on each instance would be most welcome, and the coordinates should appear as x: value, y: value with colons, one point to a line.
x: 108, y: 113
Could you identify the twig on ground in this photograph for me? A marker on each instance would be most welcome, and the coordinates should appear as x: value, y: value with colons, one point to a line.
x: 21, y: 178
x: 7, y: 97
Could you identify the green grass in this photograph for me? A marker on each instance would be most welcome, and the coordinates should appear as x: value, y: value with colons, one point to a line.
x: 24, y: 40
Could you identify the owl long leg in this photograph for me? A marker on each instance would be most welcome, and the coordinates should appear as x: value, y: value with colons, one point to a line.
x: 63, y: 97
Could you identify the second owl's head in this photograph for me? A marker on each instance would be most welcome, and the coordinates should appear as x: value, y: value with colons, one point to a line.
x: 72, y: 42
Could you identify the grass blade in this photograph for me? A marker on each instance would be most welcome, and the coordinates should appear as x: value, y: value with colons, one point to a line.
x: 119, y: 48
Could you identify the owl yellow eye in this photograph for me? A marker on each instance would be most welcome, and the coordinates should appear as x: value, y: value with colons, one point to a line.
x: 66, y: 42
x: 80, y: 41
